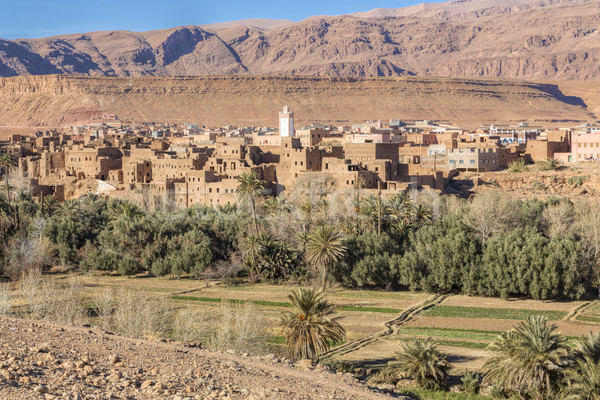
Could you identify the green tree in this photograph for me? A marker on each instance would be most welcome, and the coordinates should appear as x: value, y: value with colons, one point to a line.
x: 309, y: 329
x: 250, y: 188
x: 528, y: 360
x: 442, y: 257
x: 422, y: 361
x: 582, y: 381
x: 325, y: 248
x: 371, y: 260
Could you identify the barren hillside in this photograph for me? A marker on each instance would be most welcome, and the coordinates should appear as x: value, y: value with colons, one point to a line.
x: 63, y: 100
x: 527, y: 39
x: 42, y: 360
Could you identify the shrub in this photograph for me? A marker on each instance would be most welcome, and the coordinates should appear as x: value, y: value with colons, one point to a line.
x: 577, y: 180
x: 127, y: 266
x: 470, y: 382
x: 420, y: 360
x: 387, y: 376
x: 5, y: 299
x: 138, y: 315
x: 517, y: 166
x: 239, y: 327
x: 51, y: 300
x: 27, y: 254
x: 191, y: 325
x: 550, y: 164
x: 497, y: 392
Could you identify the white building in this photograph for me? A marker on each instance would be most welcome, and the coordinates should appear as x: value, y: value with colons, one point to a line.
x: 286, y: 122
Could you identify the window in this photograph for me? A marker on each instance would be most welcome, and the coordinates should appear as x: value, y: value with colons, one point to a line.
x: 460, y: 161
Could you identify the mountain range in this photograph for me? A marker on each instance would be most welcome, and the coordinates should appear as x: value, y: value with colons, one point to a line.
x: 524, y: 39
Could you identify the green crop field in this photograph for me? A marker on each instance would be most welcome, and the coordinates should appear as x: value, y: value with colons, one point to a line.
x: 491, y: 313
x: 450, y: 333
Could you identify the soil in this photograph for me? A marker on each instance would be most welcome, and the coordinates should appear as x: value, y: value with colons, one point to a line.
x: 47, y: 361
x: 490, y: 302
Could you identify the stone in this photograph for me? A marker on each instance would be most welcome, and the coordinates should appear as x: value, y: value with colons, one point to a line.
x: 114, y: 359
x: 305, y: 364
x: 41, y: 389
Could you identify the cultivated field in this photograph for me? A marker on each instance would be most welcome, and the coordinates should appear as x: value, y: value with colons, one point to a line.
x: 462, y: 326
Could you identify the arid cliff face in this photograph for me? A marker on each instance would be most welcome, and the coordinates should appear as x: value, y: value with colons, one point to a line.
x: 527, y: 39
x: 61, y: 100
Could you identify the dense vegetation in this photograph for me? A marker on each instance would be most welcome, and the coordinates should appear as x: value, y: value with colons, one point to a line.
x: 531, y: 362
x: 493, y: 245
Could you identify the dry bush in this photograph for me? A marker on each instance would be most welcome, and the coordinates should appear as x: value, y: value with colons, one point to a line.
x: 64, y: 302
x: 28, y: 254
x: 30, y: 287
x: 138, y: 315
x: 558, y: 218
x: 240, y: 328
x: 190, y: 325
x: 103, y: 303
x: 492, y: 212
x: 5, y: 299
x: 51, y: 300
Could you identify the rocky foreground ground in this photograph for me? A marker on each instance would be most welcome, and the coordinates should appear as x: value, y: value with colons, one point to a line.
x: 39, y: 360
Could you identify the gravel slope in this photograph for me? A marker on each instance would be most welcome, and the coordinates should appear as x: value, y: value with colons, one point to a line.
x: 43, y: 360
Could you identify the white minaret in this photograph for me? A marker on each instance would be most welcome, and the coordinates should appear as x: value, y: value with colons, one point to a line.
x: 286, y: 122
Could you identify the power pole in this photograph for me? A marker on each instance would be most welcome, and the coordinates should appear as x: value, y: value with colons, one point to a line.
x: 357, y: 205
x: 378, y: 208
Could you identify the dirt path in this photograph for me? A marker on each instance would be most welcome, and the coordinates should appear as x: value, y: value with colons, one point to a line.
x: 391, y: 328
x: 572, y: 316
x: 47, y: 361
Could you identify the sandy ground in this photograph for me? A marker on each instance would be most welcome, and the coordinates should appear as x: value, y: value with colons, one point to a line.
x: 47, y: 361
x: 489, y: 302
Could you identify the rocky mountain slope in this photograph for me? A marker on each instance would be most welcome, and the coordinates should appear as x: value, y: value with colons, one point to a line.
x: 215, y: 101
x: 529, y: 39
x: 43, y: 360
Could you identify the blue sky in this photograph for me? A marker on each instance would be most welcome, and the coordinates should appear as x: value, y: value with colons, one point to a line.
x: 38, y: 18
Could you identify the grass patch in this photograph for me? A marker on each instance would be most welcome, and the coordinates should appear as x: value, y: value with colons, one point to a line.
x: 462, y: 343
x: 370, y: 309
x: 491, y: 313
x: 588, y: 318
x: 450, y: 333
x: 233, y: 301
x: 277, y: 340
x: 421, y: 394
x: 285, y: 304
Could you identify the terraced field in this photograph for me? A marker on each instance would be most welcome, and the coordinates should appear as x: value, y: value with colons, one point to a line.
x: 462, y: 326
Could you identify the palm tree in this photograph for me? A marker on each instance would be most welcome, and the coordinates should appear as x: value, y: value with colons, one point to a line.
x: 550, y: 164
x: 250, y: 188
x: 421, y: 215
x: 528, y: 359
x: 271, y: 205
x: 589, y: 348
x: 307, y: 209
x: 7, y: 162
x: 421, y: 361
x: 50, y: 204
x: 308, y: 329
x: 69, y: 208
x: 130, y: 211
x: 324, y: 248
x: 401, y: 207
x: 582, y: 381
x: 251, y: 247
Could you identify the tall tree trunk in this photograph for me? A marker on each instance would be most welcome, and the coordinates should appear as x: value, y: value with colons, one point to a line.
x: 254, y: 215
x: 325, y: 276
